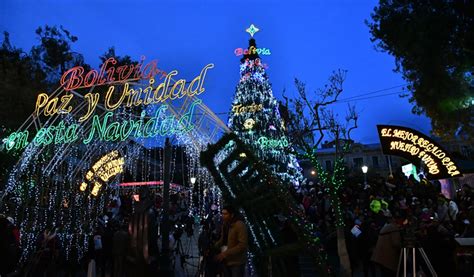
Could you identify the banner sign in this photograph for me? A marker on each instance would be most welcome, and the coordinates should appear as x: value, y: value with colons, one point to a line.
x: 418, y: 148
x: 102, y: 171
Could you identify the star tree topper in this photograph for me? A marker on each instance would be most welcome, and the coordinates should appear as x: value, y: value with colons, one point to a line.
x: 252, y: 30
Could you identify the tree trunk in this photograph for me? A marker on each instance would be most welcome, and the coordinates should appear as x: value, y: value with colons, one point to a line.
x: 344, y: 261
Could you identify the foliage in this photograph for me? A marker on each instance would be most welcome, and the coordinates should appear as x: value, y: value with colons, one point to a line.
x: 309, y: 121
x: 54, y: 52
x: 20, y: 79
x: 121, y: 60
x: 433, y: 45
x: 24, y: 75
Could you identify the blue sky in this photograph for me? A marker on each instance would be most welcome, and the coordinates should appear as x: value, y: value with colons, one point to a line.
x: 307, y: 39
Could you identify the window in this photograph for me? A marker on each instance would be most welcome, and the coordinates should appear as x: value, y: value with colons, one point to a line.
x: 358, y: 162
x: 328, y: 165
x: 375, y: 161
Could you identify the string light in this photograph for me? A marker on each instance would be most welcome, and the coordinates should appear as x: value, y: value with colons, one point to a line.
x: 257, y: 184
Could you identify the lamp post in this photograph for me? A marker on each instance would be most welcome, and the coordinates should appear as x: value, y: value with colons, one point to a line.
x: 193, y: 181
x: 364, y: 170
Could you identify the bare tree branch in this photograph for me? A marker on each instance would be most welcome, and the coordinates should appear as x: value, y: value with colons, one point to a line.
x: 351, y: 116
x: 310, y: 120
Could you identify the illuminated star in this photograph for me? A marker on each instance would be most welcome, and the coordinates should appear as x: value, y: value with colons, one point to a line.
x: 252, y: 30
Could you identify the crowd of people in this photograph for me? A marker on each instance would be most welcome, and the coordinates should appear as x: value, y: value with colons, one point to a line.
x: 9, y: 245
x: 381, y: 217
x: 385, y: 215
x: 128, y: 226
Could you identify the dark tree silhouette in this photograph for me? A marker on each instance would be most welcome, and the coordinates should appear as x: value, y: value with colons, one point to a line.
x: 433, y: 44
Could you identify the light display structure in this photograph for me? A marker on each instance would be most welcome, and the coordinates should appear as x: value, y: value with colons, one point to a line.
x: 255, y: 117
x: 81, y: 139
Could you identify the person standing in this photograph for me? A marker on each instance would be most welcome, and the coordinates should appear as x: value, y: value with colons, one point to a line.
x: 388, y: 247
x: 233, y: 243
x: 9, y: 249
x: 121, y: 241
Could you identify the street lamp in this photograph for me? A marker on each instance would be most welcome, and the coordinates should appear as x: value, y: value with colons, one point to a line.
x: 364, y: 170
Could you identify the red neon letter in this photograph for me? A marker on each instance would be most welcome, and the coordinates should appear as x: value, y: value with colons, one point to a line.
x: 72, y: 78
x: 101, y: 80
x: 238, y: 51
x: 87, y: 81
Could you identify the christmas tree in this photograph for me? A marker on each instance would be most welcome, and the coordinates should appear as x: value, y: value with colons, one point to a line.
x: 256, y: 119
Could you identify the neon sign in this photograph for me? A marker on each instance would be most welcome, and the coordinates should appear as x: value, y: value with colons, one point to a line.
x: 149, y: 183
x: 154, y: 126
x: 50, y: 107
x: 252, y: 50
x: 103, y: 127
x: 128, y: 97
x: 16, y: 140
x: 272, y: 143
x: 107, y: 130
x: 249, y: 123
x: 74, y: 78
x: 103, y: 170
x: 96, y: 188
x: 417, y: 148
x: 109, y: 166
x: 239, y: 109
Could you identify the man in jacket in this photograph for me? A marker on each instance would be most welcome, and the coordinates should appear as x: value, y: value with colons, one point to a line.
x: 233, y: 243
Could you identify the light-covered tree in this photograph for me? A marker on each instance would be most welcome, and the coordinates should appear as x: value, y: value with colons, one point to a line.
x: 309, y: 120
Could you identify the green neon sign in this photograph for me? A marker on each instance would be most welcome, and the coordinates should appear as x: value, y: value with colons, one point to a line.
x: 265, y: 142
x: 106, y: 130
x: 159, y: 124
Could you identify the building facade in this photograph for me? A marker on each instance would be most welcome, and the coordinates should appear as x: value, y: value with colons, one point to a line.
x: 379, y: 164
x: 359, y: 155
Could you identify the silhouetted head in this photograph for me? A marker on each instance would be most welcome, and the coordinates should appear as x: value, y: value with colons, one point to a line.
x: 229, y: 213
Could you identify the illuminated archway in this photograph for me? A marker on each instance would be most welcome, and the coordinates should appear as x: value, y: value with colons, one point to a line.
x: 76, y: 180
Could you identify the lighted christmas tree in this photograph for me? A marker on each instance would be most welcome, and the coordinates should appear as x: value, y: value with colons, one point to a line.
x: 256, y: 119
